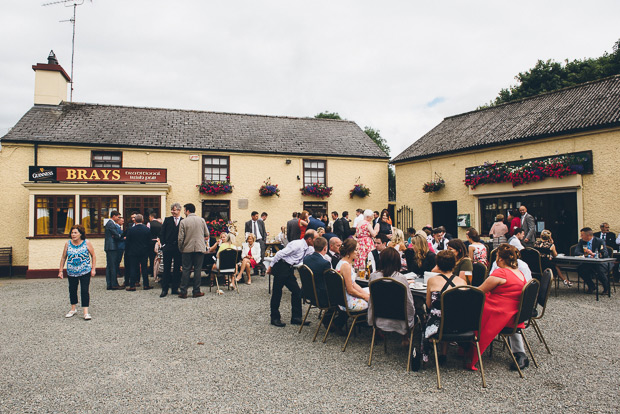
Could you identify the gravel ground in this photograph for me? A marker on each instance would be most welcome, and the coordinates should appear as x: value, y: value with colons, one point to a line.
x: 142, y: 353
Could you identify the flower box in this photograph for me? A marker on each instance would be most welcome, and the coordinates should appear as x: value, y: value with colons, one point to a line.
x: 317, y: 190
x: 215, y: 187
x: 433, y: 186
x: 268, y: 189
x: 359, y: 190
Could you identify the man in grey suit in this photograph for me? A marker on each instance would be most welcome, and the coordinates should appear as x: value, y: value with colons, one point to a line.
x: 292, y: 229
x: 193, y: 237
x: 528, y: 224
x: 112, y: 237
x: 257, y: 228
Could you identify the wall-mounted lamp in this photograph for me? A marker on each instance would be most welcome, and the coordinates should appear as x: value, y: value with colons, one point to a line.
x: 288, y: 162
x: 298, y: 179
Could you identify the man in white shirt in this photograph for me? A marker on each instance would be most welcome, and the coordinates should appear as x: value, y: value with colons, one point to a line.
x: 439, y: 242
x: 359, y: 213
x: 515, y: 240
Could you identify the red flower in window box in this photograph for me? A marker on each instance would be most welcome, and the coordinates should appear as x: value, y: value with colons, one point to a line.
x: 317, y: 190
x: 215, y: 187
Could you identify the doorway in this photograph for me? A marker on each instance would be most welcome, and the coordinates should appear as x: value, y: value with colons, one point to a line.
x: 444, y: 214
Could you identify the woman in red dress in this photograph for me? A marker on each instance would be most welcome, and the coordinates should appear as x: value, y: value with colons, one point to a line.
x: 515, y: 221
x: 303, y: 223
x: 503, y: 293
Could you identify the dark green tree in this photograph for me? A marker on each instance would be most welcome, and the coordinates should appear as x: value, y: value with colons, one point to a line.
x: 328, y: 115
x: 375, y: 135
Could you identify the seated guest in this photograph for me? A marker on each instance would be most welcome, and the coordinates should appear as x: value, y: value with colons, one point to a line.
x: 424, y: 260
x: 463, y: 264
x: 607, y: 236
x: 381, y: 242
x: 503, y: 294
x: 281, y: 237
x: 410, y: 235
x: 320, y: 231
x: 435, y: 286
x: 429, y: 240
x: 590, y: 246
x: 444, y: 233
x: 439, y: 242
x: 317, y: 263
x: 547, y: 250
x: 250, y: 255
x: 390, y: 260
x: 498, y: 231
x: 357, y: 297
x: 515, y: 240
x: 334, y: 251
x: 398, y: 240
x: 223, y: 242
x: 477, y: 250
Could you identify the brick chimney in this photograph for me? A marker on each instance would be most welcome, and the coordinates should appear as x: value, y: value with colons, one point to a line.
x: 50, y: 82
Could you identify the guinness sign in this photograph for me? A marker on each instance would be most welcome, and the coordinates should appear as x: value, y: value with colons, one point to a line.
x: 42, y: 173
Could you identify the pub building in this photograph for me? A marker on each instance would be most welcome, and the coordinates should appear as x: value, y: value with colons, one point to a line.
x: 65, y: 163
x: 555, y: 153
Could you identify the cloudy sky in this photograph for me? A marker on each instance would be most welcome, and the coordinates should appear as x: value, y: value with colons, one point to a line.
x: 397, y: 66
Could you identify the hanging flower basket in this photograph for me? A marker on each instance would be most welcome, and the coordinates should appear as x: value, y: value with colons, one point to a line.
x: 433, y: 186
x: 268, y: 189
x: 217, y: 227
x: 359, y: 190
x: 215, y: 187
x: 317, y: 190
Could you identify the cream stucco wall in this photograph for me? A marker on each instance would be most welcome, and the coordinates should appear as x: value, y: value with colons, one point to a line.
x: 50, y: 87
x: 247, y: 173
x: 597, y: 193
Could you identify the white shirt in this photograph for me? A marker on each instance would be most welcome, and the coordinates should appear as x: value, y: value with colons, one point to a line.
x: 293, y: 253
x: 358, y: 220
x: 255, y: 230
x: 514, y: 241
x: 523, y: 267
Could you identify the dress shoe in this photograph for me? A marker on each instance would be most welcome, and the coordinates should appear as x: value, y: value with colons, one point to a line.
x: 138, y: 284
x: 198, y: 294
x: 117, y: 287
x: 278, y: 323
x: 297, y: 321
x: 163, y: 294
x: 147, y: 288
x: 130, y: 289
x: 175, y: 292
x: 108, y: 288
x: 183, y: 295
x: 521, y: 360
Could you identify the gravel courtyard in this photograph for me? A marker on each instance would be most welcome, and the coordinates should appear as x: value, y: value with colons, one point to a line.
x: 145, y: 354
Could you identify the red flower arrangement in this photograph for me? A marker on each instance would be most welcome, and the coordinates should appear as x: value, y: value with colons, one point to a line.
x: 268, y: 189
x: 215, y: 187
x: 359, y: 190
x: 531, y: 171
x: 317, y: 189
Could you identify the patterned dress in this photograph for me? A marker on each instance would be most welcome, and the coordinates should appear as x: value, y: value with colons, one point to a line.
x: 353, y: 303
x: 480, y: 254
x: 364, y: 244
x: 433, y: 318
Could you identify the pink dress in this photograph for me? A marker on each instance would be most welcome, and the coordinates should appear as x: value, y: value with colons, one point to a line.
x: 364, y: 244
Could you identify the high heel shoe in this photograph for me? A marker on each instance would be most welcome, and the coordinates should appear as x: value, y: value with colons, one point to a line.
x: 567, y: 283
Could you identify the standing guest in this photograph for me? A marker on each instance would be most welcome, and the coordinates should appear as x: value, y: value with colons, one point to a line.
x: 376, y: 219
x: 293, y: 232
x: 302, y: 223
x: 334, y: 251
x: 338, y: 226
x: 357, y: 297
x: 121, y: 249
x: 607, y: 236
x: 325, y: 220
x: 334, y: 220
x: 257, y: 228
x: 515, y: 240
x: 410, y: 235
x: 463, y: 265
x: 359, y: 217
x: 477, y: 250
x: 138, y: 245
x: 250, y: 256
x: 264, y: 215
x: 381, y: 243
x: 528, y: 224
x: 364, y: 234
x: 590, y: 246
x: 424, y: 260
x: 514, y: 218
x: 282, y: 267
x: 193, y: 240
x: 169, y: 237
x: 498, y: 231
x: 329, y: 233
x: 346, y: 224
x: 112, y: 237
x: 81, y: 264
x: 320, y: 231
x: 281, y: 237
x: 154, y: 226
x: 439, y: 242
x: 503, y: 290
x: 547, y: 250
x: 384, y: 224
x: 313, y: 222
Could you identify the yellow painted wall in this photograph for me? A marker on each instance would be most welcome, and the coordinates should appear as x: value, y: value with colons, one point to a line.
x: 600, y: 194
x: 247, y: 173
x: 50, y: 87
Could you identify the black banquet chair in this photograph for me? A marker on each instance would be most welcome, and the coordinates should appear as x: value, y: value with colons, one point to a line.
x: 479, y: 274
x: 543, y: 295
x: 310, y: 297
x: 227, y: 267
x: 458, y: 325
x: 532, y: 258
x: 336, y: 292
x: 388, y: 298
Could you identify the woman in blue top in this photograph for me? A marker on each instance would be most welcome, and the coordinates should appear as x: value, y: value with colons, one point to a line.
x: 81, y: 264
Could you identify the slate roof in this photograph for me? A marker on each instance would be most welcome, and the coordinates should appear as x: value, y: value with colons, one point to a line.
x: 123, y: 126
x: 588, y: 106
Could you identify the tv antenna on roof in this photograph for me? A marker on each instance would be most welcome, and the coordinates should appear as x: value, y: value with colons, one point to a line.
x: 74, y: 4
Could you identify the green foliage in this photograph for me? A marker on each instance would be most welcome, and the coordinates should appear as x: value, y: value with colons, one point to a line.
x: 328, y: 115
x: 391, y: 183
x: 375, y: 135
x: 547, y: 76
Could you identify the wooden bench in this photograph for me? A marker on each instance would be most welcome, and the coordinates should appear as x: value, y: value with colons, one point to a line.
x: 6, y: 258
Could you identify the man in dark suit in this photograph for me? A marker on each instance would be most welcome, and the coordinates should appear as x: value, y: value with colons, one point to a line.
x: 137, y: 250
x: 112, y: 237
x: 314, y: 223
x: 607, y: 236
x: 292, y: 229
x: 257, y: 228
x: 590, y: 246
x: 334, y: 251
x: 381, y: 243
x: 317, y: 263
x: 528, y: 224
x: 169, y: 238
x: 346, y: 226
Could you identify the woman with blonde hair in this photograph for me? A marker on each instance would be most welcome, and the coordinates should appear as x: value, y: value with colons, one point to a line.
x: 398, y: 240
x: 250, y: 258
x: 424, y: 259
x: 547, y: 250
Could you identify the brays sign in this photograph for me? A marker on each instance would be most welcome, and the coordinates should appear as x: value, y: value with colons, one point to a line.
x: 98, y: 175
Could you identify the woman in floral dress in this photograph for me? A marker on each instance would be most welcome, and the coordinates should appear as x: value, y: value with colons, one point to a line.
x: 364, y: 235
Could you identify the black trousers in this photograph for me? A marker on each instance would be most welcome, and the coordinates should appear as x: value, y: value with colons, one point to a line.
x: 283, y: 276
x: 586, y: 271
x: 84, y: 282
x: 172, y: 279
x: 138, y: 264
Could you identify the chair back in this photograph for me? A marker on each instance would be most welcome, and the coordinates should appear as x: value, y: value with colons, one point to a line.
x: 545, y: 290
x: 410, y: 259
x: 308, y: 290
x: 572, y: 250
x: 492, y: 258
x: 461, y: 310
x: 529, y: 298
x: 335, y: 288
x: 227, y: 260
x: 389, y: 299
x: 532, y: 258
x: 479, y: 274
